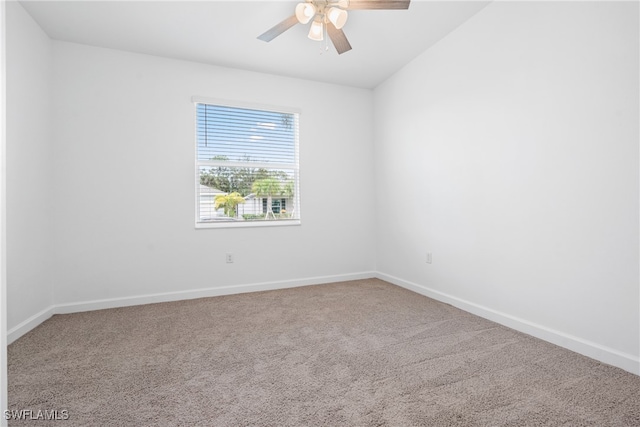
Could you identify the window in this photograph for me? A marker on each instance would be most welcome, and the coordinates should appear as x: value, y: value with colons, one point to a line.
x: 277, y: 206
x: 246, y: 165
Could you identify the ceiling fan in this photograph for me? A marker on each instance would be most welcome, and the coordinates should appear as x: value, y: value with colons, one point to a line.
x: 329, y: 16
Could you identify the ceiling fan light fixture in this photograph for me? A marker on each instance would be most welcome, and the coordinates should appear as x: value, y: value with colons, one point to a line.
x: 316, y: 32
x: 329, y: 16
x: 304, y: 12
x: 337, y: 17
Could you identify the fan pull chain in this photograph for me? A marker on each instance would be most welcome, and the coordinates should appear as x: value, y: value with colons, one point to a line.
x: 324, y: 38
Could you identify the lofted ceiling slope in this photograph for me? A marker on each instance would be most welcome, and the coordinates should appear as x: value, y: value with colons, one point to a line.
x: 225, y: 33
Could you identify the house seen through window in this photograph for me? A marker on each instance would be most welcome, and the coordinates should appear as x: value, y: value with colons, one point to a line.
x: 246, y: 165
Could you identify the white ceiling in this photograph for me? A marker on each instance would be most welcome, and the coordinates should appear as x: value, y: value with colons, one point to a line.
x: 224, y: 33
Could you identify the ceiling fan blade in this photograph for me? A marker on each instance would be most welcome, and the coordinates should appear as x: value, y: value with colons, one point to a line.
x: 280, y: 28
x: 338, y: 39
x: 378, y: 4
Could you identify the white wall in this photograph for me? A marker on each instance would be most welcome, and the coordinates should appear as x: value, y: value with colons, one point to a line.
x: 3, y: 212
x: 124, y: 151
x: 510, y: 151
x: 29, y: 169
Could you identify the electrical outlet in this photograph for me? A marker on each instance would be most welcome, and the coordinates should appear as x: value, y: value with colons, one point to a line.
x: 429, y: 258
x: 229, y: 258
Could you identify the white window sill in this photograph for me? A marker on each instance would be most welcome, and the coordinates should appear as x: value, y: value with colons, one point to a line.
x: 242, y: 224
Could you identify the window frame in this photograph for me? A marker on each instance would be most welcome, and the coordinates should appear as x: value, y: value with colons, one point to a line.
x: 295, y: 167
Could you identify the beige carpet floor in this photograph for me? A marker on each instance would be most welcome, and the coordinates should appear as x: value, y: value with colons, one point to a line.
x: 361, y: 353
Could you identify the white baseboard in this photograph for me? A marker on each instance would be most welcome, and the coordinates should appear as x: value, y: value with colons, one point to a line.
x: 78, y: 307
x: 596, y: 351
x: 205, y: 293
x: 608, y: 355
x: 33, y: 321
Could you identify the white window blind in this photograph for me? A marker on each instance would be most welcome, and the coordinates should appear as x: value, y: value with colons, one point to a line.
x: 246, y: 166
